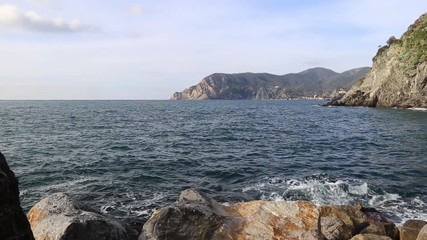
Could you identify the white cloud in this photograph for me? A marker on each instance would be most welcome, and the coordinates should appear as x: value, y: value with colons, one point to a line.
x: 135, y: 9
x: 14, y: 18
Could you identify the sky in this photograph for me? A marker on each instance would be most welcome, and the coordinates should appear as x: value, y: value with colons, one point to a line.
x: 140, y: 49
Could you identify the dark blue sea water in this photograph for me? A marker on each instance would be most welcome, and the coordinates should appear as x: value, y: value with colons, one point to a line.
x: 126, y: 158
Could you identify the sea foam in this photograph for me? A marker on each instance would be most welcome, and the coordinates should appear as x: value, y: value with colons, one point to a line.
x: 324, y: 190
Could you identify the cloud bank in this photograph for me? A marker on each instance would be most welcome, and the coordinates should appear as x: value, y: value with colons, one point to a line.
x: 12, y: 17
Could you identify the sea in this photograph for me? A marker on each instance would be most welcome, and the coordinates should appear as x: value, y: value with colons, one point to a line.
x: 127, y: 158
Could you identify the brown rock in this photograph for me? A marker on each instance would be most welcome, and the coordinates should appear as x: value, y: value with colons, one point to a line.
x: 13, y: 223
x: 376, y: 229
x: 333, y: 228
x: 354, y: 219
x: 198, y: 216
x: 379, y: 224
x: 277, y: 220
x: 417, y: 224
x: 411, y: 229
x: 423, y: 233
x: 350, y: 215
x: 369, y: 237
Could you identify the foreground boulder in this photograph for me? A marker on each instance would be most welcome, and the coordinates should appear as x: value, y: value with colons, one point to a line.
x: 411, y: 229
x: 59, y: 216
x: 13, y: 223
x: 197, y: 216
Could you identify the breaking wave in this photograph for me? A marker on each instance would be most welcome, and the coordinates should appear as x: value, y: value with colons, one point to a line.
x: 325, y: 190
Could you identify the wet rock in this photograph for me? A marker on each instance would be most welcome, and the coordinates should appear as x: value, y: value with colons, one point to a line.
x: 13, y: 223
x: 369, y: 237
x: 198, y: 216
x: 379, y: 224
x: 59, y: 216
x: 411, y: 229
x: 134, y: 226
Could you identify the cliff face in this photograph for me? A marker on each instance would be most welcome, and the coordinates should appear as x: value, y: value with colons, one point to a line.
x: 398, y: 77
x: 312, y: 82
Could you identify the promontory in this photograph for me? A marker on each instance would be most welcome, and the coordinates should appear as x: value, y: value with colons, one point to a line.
x: 311, y: 83
x: 398, y: 77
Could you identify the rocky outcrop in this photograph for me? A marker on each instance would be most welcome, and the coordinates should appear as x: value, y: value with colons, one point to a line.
x: 13, y: 223
x: 59, y: 216
x: 197, y: 216
x: 398, y: 77
x: 318, y: 82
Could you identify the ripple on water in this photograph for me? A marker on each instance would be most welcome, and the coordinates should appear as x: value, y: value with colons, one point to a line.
x: 128, y: 157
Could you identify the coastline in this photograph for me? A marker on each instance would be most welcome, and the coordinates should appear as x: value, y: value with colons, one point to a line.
x: 196, y: 215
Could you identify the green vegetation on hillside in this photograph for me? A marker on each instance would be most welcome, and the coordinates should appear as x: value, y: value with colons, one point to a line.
x: 414, y: 43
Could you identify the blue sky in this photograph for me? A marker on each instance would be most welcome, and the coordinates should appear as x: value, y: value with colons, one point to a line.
x: 111, y: 49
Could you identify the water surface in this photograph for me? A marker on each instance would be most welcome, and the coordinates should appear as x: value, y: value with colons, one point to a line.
x: 126, y: 158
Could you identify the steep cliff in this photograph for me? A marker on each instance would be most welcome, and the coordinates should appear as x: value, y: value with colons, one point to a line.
x: 312, y: 82
x: 398, y: 77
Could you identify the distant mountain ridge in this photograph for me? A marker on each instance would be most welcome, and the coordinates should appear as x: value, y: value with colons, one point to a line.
x: 314, y: 82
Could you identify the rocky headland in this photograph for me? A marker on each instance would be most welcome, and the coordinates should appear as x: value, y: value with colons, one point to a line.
x: 196, y: 216
x: 398, y: 77
x: 312, y: 83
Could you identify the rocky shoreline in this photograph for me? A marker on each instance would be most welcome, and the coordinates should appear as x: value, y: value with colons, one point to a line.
x: 398, y: 77
x: 195, y: 216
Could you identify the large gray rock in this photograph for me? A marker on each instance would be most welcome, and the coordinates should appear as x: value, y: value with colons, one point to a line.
x: 197, y: 216
x: 13, y: 223
x: 59, y: 216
